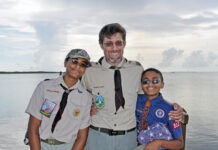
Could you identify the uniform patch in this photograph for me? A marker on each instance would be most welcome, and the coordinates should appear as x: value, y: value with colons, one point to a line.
x: 47, y: 108
x: 175, y: 125
x: 99, y: 86
x: 76, y: 112
x: 53, y: 91
x: 159, y: 113
x: 99, y: 102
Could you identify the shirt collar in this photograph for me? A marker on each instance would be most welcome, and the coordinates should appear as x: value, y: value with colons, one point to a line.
x: 105, y: 64
x: 78, y: 86
x: 156, y: 99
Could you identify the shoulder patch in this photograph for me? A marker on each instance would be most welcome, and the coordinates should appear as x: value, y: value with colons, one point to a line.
x: 95, y: 64
x: 47, y: 79
x: 134, y: 63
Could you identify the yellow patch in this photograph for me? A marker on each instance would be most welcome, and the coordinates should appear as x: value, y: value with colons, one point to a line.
x: 76, y: 112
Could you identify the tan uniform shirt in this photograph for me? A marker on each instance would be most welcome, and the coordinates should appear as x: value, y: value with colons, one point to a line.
x: 76, y: 114
x: 99, y: 80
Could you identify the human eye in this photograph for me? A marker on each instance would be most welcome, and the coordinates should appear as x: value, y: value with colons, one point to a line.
x: 119, y: 43
x: 108, y: 44
x: 145, y: 81
x: 74, y: 61
x: 155, y: 81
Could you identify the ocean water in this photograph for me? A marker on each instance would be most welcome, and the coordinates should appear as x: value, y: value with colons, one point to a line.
x: 196, y: 92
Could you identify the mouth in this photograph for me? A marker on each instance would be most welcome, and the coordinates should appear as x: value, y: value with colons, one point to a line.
x: 150, y: 89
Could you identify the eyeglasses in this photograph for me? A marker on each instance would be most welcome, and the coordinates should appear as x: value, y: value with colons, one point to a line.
x: 111, y: 44
x: 82, y: 64
x: 154, y: 81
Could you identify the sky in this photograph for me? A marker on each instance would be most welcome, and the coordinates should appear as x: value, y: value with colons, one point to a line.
x: 171, y: 35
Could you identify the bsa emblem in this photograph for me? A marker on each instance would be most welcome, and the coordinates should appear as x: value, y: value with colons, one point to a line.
x: 159, y: 113
x: 76, y: 112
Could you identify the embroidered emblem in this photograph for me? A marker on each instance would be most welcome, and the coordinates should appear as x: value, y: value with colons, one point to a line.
x: 175, y: 125
x: 53, y: 91
x: 159, y: 113
x: 99, y: 102
x: 76, y: 112
x: 47, y: 108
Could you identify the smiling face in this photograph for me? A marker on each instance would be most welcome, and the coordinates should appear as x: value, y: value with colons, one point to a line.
x: 75, y: 68
x: 151, y: 84
x: 113, y: 47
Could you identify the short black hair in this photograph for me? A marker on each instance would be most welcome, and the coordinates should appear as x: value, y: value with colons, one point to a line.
x: 111, y: 29
x: 154, y: 70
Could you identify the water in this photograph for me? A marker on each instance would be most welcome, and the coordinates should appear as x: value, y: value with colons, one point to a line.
x: 196, y: 92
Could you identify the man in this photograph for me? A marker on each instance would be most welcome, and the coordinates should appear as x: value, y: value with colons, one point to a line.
x: 59, y: 108
x: 114, y: 83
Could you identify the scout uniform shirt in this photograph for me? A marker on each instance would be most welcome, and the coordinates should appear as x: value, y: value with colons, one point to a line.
x: 158, y: 112
x: 99, y: 80
x: 46, y: 98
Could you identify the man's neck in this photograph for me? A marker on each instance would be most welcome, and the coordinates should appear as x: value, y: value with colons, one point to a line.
x: 112, y: 62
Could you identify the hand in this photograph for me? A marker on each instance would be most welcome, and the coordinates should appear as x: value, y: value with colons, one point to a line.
x: 93, y: 110
x: 153, y: 145
x: 177, y: 114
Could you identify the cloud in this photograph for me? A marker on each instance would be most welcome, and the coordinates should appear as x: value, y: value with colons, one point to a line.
x: 44, y: 31
x: 197, y: 59
x: 170, y: 56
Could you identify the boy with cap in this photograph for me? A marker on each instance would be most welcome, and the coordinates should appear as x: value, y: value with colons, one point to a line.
x: 59, y: 108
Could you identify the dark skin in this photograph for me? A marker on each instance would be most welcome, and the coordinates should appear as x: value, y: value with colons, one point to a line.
x: 73, y: 73
x: 152, y: 91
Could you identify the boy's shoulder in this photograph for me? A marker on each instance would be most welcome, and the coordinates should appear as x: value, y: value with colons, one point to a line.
x: 164, y: 103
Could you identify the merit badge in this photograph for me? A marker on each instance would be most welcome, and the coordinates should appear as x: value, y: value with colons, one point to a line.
x: 76, y: 112
x: 159, y: 113
x: 47, y: 108
x: 99, y: 102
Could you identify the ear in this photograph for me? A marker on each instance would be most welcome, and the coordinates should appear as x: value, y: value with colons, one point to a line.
x: 101, y: 45
x: 124, y: 43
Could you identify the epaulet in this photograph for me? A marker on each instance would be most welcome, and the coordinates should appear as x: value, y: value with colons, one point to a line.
x: 95, y: 64
x: 47, y: 79
x: 130, y: 62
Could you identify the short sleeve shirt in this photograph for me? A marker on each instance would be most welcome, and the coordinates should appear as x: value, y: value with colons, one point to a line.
x: 99, y: 80
x: 158, y: 112
x: 76, y: 114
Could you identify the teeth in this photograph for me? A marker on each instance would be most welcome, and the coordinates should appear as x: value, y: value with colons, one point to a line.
x: 150, y: 89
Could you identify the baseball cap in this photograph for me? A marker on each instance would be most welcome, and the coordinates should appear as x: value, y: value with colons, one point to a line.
x: 78, y: 53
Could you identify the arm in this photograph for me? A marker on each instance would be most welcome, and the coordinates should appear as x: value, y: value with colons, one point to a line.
x: 81, y: 139
x: 33, y: 128
x: 93, y: 110
x: 172, y: 144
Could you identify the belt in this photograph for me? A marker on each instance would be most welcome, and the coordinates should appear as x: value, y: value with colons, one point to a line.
x: 112, y: 132
x: 52, y: 141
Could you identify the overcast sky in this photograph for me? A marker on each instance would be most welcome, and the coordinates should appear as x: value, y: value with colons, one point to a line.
x: 171, y: 35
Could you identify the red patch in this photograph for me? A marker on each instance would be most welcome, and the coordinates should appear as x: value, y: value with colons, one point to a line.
x: 175, y: 125
x: 99, y: 86
x: 53, y: 91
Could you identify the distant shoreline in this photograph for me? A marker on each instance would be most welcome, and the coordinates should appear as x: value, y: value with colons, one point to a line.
x: 27, y: 72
